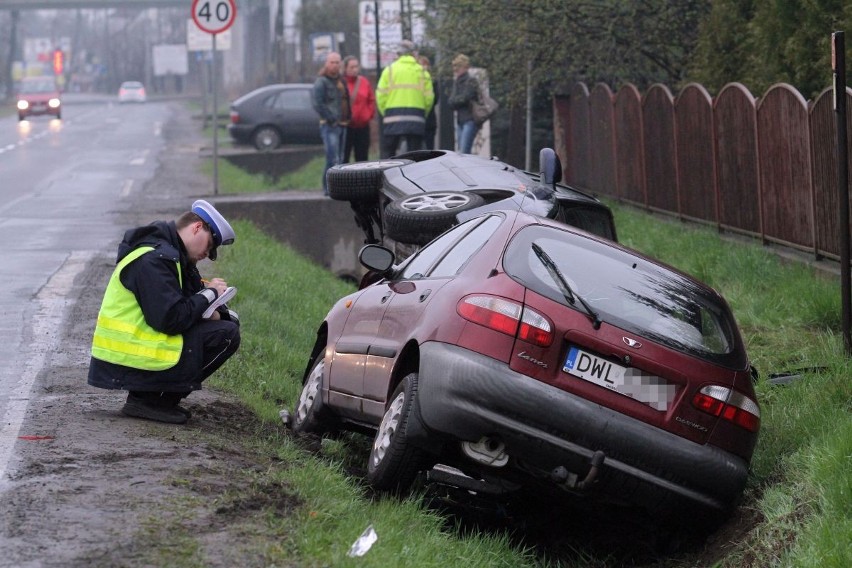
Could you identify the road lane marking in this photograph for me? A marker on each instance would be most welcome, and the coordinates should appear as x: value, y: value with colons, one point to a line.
x: 50, y: 305
x: 126, y: 187
x: 140, y: 161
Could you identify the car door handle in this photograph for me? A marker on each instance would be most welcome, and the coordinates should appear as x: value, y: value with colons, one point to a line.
x: 425, y: 295
x: 385, y: 298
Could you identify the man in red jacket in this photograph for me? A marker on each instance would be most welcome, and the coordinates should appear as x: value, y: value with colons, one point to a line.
x: 363, y: 104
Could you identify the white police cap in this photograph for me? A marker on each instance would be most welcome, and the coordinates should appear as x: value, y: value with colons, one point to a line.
x: 223, y: 234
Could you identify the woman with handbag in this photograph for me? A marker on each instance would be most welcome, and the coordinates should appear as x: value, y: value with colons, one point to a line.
x: 464, y: 94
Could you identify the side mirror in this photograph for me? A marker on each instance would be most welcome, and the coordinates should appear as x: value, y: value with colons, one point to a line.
x: 550, y: 167
x: 376, y: 257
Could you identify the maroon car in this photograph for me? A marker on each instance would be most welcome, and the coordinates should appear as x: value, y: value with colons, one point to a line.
x: 522, y: 352
x: 38, y: 95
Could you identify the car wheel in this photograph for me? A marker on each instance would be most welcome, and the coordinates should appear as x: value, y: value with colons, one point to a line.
x: 311, y: 415
x: 420, y: 218
x: 266, y: 138
x: 360, y: 181
x: 394, y: 462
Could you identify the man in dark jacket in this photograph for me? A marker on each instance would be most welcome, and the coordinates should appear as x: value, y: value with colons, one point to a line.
x: 331, y: 101
x: 150, y: 337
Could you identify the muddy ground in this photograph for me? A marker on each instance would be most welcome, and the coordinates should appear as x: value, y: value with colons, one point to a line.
x: 91, y: 487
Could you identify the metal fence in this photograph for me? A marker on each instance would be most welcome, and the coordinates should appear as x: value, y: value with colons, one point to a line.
x: 764, y: 167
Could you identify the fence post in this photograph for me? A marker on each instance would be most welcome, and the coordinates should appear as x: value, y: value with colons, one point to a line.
x: 838, y: 64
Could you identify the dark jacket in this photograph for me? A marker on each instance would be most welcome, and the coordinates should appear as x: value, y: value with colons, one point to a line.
x: 168, y: 307
x: 330, y: 98
x: 465, y: 91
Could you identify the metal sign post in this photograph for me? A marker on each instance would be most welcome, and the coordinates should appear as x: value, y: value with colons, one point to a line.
x: 838, y: 65
x: 214, y: 17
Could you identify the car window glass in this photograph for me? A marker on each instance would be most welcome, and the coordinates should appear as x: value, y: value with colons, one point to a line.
x: 419, y: 265
x: 628, y: 292
x: 269, y: 102
x: 590, y: 219
x: 292, y: 100
x: 45, y: 86
x: 453, y: 262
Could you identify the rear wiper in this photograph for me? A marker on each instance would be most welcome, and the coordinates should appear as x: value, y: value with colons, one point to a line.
x: 570, y: 295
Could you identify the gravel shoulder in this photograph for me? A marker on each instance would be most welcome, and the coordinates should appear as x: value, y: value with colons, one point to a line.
x: 92, y: 487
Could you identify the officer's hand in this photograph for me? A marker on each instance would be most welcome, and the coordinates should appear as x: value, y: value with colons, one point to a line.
x: 219, y: 285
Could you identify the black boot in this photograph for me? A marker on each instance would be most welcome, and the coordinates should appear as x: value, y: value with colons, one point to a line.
x: 147, y: 405
x: 172, y: 400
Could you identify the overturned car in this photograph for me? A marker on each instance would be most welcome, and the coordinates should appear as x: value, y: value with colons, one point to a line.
x: 413, y: 197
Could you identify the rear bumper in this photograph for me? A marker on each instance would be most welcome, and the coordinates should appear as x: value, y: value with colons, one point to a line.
x: 240, y: 132
x: 463, y: 395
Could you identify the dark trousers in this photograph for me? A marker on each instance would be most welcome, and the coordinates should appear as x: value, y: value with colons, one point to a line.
x: 357, y: 139
x: 429, y: 140
x: 392, y: 142
x: 218, y: 339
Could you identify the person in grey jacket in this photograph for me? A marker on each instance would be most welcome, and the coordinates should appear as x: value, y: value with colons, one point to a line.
x: 465, y: 91
x: 331, y: 102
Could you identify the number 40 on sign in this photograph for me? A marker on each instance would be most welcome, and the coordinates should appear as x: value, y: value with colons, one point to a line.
x: 214, y: 16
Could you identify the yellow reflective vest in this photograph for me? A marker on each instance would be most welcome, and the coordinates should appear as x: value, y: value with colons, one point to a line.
x: 404, y: 97
x: 122, y: 336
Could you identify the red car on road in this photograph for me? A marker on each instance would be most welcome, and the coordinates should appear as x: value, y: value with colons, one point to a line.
x: 525, y: 353
x: 38, y: 95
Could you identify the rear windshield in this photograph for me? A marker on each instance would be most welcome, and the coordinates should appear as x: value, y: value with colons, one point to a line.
x: 629, y: 292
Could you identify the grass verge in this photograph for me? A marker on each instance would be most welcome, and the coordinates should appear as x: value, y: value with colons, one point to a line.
x: 801, y: 483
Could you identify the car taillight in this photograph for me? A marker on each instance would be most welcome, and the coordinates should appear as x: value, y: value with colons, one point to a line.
x: 507, y: 317
x: 731, y: 405
x: 235, y: 117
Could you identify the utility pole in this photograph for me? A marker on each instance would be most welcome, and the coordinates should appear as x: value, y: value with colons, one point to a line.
x: 838, y: 64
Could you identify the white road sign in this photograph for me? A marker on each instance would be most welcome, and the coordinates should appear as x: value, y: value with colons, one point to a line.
x: 214, y: 16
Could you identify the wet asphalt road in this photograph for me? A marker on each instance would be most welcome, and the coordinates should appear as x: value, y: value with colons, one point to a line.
x: 65, y: 186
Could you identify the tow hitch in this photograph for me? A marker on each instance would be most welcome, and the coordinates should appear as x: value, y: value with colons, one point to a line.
x: 562, y: 476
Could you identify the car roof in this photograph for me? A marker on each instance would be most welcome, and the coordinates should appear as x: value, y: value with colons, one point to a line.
x: 272, y: 89
x: 131, y: 84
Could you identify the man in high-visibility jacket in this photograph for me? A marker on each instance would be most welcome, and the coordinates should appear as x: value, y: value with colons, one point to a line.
x: 404, y: 97
x: 151, y: 337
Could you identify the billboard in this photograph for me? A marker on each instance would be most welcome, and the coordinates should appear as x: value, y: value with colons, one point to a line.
x: 390, y: 29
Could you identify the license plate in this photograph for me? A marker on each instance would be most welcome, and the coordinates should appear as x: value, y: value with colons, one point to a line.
x: 648, y: 389
x: 594, y: 369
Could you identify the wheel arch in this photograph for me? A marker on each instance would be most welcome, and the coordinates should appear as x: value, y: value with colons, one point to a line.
x: 317, y: 350
x: 260, y: 127
x: 407, y: 362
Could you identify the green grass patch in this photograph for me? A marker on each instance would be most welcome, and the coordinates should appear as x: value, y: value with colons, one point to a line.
x: 801, y: 482
x: 234, y: 180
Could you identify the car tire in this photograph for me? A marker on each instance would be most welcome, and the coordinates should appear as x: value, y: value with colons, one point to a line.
x: 418, y: 219
x: 266, y: 138
x: 311, y: 416
x: 360, y: 181
x: 394, y: 462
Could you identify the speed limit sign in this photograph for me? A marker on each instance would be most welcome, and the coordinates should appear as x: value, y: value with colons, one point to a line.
x: 214, y: 16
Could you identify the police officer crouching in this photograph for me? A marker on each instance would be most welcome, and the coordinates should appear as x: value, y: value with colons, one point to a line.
x: 150, y: 337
